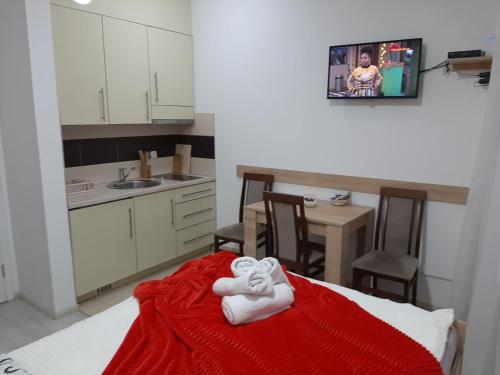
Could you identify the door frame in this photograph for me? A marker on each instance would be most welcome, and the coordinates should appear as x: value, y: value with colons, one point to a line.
x: 7, y: 253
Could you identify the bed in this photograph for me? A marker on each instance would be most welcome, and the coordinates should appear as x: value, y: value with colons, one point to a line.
x: 88, y: 346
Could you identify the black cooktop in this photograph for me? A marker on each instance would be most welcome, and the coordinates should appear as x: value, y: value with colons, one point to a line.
x: 177, y: 177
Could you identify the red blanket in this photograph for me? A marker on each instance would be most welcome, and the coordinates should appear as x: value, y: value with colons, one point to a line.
x: 181, y: 330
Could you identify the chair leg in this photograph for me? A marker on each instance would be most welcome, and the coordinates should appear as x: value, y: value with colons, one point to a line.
x: 240, y: 245
x: 414, y: 293
x: 216, y: 244
x: 357, y: 276
x: 406, y: 292
x: 375, y: 282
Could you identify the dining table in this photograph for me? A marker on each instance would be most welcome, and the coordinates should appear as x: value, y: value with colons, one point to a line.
x: 335, y: 223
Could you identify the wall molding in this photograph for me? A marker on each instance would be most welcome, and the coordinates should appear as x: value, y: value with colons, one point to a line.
x: 435, y: 192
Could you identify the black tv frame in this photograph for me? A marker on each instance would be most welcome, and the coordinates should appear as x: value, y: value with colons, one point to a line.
x: 376, y: 97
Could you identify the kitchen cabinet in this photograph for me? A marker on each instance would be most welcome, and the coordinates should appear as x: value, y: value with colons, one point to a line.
x: 79, y: 64
x: 172, y: 15
x: 127, y: 71
x: 155, y: 229
x: 103, y: 241
x: 126, y: 239
x: 171, y: 70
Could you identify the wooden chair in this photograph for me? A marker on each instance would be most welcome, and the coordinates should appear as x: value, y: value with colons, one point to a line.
x: 288, y: 236
x: 254, y: 185
x: 397, y: 244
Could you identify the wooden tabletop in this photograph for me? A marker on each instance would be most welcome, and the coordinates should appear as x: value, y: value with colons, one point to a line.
x: 325, y: 213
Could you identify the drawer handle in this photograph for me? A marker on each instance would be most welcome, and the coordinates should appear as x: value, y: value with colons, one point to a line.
x: 102, y: 105
x: 198, y: 213
x: 197, y: 239
x: 147, y: 105
x: 157, y: 93
x: 131, y: 232
x: 172, y: 211
x: 196, y: 192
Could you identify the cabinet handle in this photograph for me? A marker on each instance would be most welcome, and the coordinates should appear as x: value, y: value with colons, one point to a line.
x: 197, y: 213
x: 131, y: 232
x: 157, y: 94
x: 172, y: 211
x: 196, y: 192
x: 197, y: 238
x: 102, y: 105
x: 147, y: 105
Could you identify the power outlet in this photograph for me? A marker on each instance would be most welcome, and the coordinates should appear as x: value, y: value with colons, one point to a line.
x: 153, y: 155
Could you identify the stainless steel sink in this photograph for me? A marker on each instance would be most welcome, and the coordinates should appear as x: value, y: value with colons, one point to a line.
x: 134, y: 184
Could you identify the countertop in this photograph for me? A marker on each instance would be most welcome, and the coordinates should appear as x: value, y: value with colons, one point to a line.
x: 103, y: 194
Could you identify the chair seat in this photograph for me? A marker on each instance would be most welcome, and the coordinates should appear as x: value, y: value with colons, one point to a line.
x: 236, y: 232
x: 392, y: 265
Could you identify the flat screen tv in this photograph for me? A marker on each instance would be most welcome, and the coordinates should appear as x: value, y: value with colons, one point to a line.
x: 379, y: 70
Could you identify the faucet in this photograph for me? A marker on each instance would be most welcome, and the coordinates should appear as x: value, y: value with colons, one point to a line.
x: 121, y: 174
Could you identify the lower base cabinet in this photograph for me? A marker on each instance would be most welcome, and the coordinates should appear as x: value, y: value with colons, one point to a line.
x: 113, y: 241
x: 155, y: 229
x: 103, y: 243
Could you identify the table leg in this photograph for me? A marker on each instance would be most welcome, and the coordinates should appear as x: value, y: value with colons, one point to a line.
x: 335, y: 255
x: 370, y: 221
x: 250, y: 227
x: 365, y: 236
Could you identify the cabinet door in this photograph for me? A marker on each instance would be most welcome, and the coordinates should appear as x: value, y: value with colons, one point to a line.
x: 155, y: 220
x: 171, y: 68
x: 79, y: 62
x: 103, y: 244
x: 165, y: 14
x: 127, y: 71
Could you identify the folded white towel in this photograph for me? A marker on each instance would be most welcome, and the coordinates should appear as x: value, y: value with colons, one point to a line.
x: 242, y: 265
x: 246, y: 308
x: 273, y: 267
x: 256, y: 281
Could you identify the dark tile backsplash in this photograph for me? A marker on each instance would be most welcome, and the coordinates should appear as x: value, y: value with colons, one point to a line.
x: 99, y: 151
x: 128, y: 147
x: 80, y: 152
x: 72, y: 153
x: 202, y: 147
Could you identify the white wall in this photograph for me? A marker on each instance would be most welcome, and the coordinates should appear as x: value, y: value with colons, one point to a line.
x: 261, y: 67
x: 32, y: 145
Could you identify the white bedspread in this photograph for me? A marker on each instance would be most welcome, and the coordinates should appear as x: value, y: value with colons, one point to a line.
x: 86, y: 347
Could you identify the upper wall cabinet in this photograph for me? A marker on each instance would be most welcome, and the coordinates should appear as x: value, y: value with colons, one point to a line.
x: 79, y: 62
x: 127, y: 72
x: 171, y: 69
x: 172, y: 15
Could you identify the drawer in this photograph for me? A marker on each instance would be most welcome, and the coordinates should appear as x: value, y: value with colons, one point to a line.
x: 195, y: 212
x: 194, y: 192
x: 194, y: 238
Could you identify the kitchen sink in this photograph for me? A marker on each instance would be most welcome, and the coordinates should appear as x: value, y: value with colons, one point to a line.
x: 134, y: 184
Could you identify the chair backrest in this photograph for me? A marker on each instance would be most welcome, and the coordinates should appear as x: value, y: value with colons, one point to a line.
x: 399, y: 221
x: 287, y: 226
x: 254, y: 185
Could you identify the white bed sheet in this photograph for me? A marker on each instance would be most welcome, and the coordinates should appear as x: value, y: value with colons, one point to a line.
x: 86, y: 347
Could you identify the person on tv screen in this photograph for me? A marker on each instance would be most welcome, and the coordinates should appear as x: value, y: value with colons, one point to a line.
x: 366, y: 78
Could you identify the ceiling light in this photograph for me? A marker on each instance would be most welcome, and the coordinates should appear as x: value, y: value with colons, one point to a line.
x: 84, y: 2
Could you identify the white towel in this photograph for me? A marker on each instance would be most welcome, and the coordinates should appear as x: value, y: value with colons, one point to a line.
x: 242, y: 265
x: 256, y: 281
x: 247, y: 308
x: 273, y: 267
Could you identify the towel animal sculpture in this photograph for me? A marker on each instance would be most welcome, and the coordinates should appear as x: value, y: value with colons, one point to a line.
x: 259, y: 290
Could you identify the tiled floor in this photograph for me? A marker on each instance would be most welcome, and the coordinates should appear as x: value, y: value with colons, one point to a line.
x: 21, y: 323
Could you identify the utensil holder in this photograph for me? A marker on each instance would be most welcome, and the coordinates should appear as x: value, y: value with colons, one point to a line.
x: 145, y: 171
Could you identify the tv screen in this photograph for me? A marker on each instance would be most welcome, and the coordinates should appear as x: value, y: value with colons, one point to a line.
x: 388, y: 69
